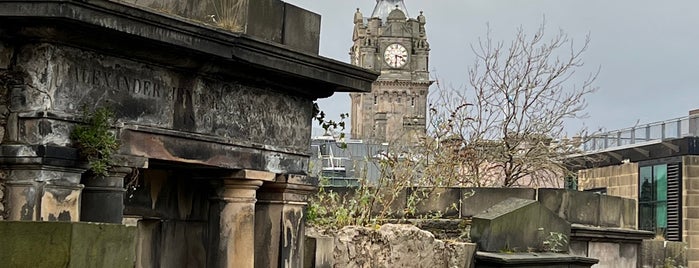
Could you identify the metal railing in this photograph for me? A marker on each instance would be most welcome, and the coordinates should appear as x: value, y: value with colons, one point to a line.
x: 661, y: 130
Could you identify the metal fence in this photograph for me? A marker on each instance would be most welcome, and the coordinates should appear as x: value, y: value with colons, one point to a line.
x: 668, y: 129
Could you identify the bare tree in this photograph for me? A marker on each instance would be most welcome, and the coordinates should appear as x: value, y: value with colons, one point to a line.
x: 507, y: 127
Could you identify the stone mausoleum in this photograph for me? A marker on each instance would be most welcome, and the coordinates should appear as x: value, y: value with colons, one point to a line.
x: 213, y: 103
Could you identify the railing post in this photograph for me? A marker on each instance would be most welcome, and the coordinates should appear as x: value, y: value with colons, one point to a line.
x: 662, y: 131
x: 618, y: 138
x: 648, y: 132
x: 633, y: 135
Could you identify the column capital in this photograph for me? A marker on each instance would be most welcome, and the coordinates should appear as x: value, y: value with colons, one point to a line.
x: 238, y: 191
x: 288, y: 188
x: 248, y: 174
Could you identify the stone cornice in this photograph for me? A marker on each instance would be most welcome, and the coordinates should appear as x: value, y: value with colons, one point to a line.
x: 402, y: 83
x: 606, y: 234
x: 146, y: 35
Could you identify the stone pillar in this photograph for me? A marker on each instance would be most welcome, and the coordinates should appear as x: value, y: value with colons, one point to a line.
x: 280, y: 217
x: 36, y: 192
x: 232, y: 219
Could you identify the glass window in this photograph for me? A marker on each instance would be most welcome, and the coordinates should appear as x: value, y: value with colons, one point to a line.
x: 652, y: 199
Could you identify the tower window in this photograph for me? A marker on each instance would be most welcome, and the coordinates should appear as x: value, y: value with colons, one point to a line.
x: 376, y: 100
x: 412, y: 101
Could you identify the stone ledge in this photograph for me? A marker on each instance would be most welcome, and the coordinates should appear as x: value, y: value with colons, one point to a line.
x: 528, y: 259
x: 140, y: 33
x: 589, y: 233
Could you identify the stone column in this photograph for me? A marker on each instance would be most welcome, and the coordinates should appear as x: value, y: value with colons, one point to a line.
x: 280, y: 217
x: 232, y: 219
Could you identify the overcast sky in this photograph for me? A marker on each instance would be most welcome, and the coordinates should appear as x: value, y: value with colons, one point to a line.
x: 648, y: 51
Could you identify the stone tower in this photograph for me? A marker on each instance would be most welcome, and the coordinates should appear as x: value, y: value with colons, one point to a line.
x: 396, y: 46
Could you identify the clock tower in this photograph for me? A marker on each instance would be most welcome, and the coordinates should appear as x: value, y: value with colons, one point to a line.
x: 395, y: 45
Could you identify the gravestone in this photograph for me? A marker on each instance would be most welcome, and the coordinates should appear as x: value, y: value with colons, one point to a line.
x: 516, y: 225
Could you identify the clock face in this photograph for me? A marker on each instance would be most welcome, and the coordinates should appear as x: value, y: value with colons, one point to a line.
x: 395, y: 55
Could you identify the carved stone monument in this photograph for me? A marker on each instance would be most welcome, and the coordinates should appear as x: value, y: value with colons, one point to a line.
x: 213, y: 121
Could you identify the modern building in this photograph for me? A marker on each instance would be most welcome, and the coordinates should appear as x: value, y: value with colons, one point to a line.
x: 347, y: 163
x: 656, y: 164
x: 392, y: 43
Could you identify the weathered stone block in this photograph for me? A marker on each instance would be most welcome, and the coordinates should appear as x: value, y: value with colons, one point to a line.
x: 676, y: 252
x: 301, y: 29
x: 574, y: 206
x: 182, y: 244
x: 63, y: 244
x: 318, y: 252
x: 578, y: 248
x: 265, y: 19
x: 271, y: 20
x: 652, y: 253
x: 6, y: 53
x: 396, y: 200
x: 392, y: 245
x: 610, y: 211
x: 629, y: 217
x: 606, y: 253
x: 437, y: 201
x: 461, y: 254
x: 476, y: 200
x: 44, y: 193
x: 514, y: 224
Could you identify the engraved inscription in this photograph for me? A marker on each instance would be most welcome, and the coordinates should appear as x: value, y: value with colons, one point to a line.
x: 260, y: 116
x: 110, y: 79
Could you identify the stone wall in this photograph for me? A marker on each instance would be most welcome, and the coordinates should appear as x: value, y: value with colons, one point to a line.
x: 621, y: 180
x: 690, y: 209
x: 391, y: 245
x: 66, y: 244
x: 2, y: 201
x: 6, y: 78
x: 449, y: 202
x: 661, y: 254
x: 590, y: 208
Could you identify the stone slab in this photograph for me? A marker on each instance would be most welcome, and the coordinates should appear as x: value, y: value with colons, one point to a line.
x: 476, y: 200
x: 551, y: 260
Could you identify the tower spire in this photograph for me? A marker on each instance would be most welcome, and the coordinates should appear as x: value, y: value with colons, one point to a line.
x: 384, y: 7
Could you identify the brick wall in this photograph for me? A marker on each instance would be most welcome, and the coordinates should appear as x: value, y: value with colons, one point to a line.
x: 690, y: 210
x: 621, y: 180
